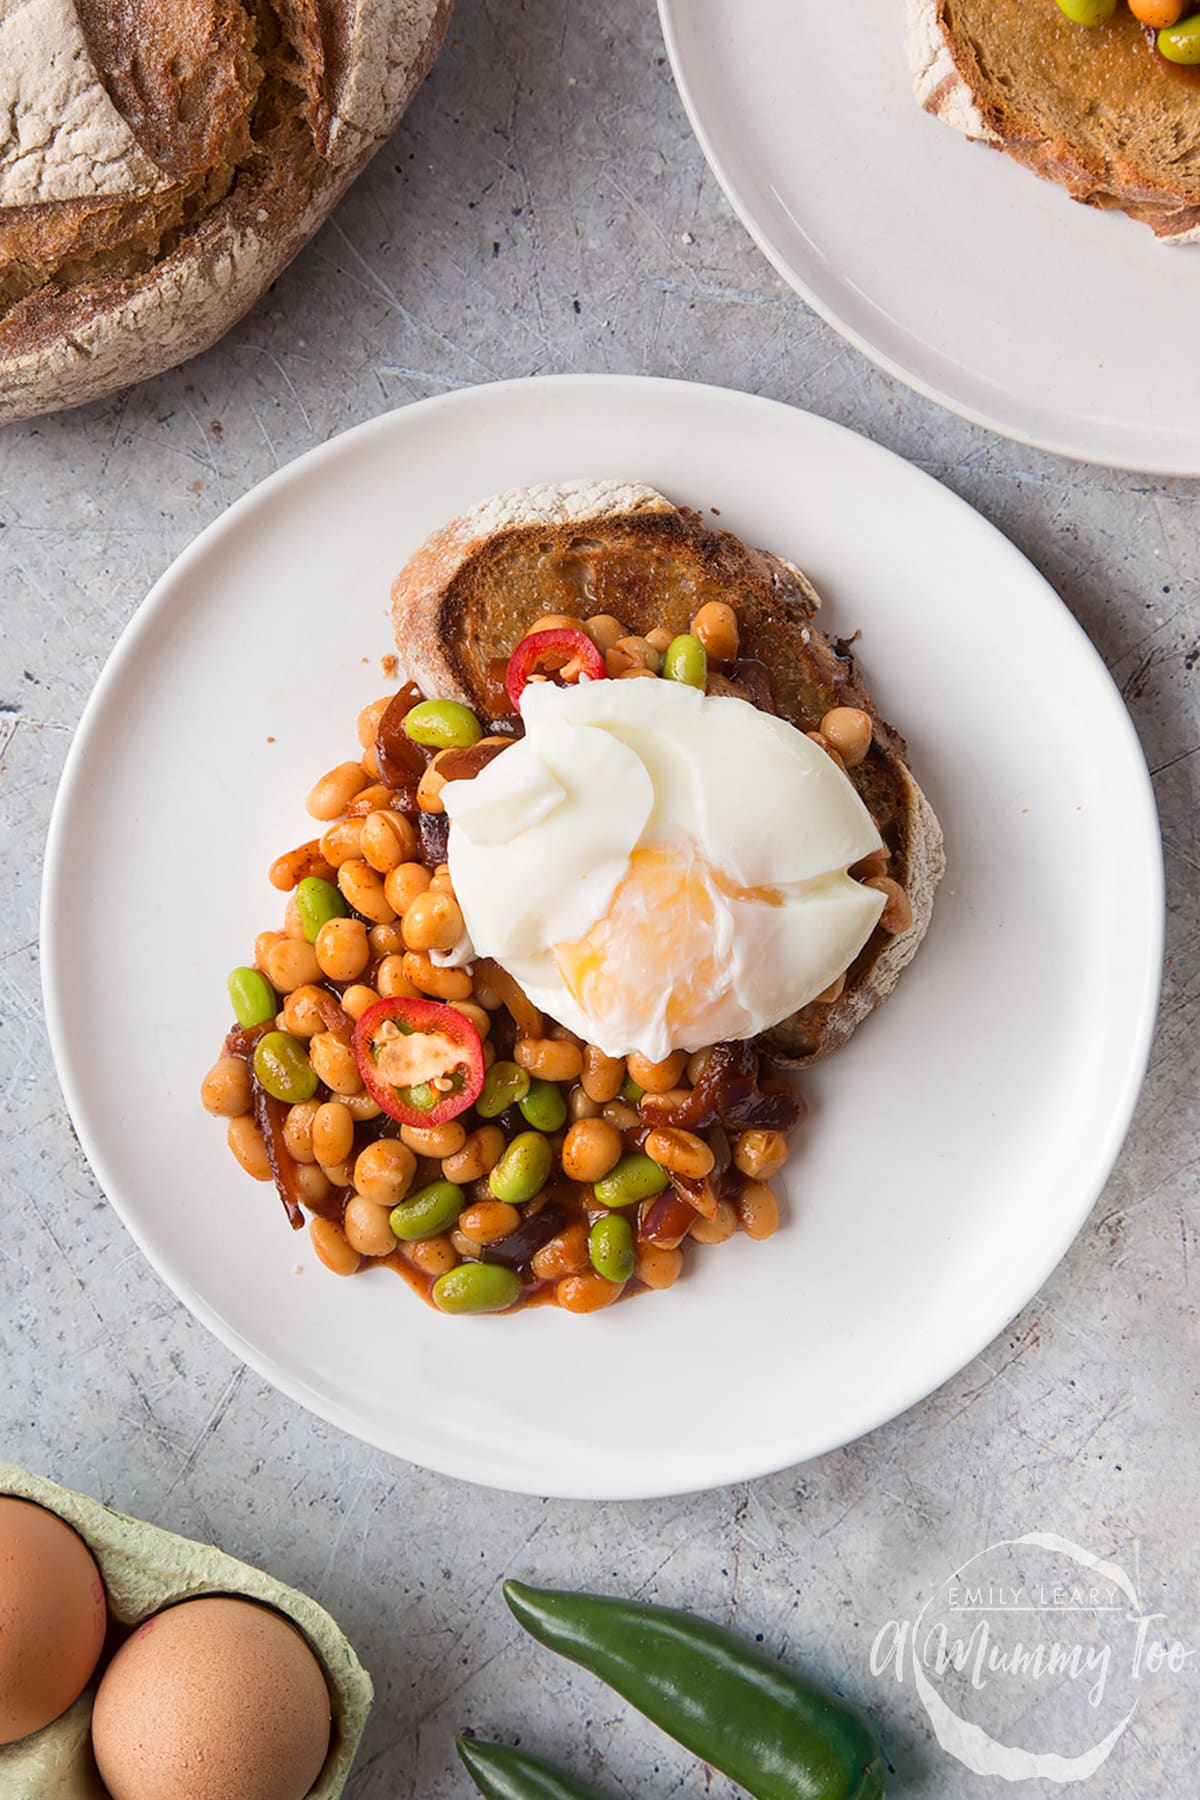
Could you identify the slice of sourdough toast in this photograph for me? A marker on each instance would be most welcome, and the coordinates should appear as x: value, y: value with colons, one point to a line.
x: 474, y: 587
x: 1098, y: 111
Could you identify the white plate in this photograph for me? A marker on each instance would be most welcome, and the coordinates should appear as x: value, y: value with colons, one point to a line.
x: 955, y: 1145
x: 970, y: 279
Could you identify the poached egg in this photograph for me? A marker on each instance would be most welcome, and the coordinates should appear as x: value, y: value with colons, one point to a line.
x: 661, y: 869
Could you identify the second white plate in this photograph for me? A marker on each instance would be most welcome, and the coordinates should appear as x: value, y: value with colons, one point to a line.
x: 979, y: 285
x: 954, y: 1146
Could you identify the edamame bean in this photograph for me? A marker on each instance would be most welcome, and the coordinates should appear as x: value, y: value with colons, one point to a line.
x: 317, y: 902
x: 630, y: 1090
x: 636, y: 1177
x: 544, y: 1106
x: 504, y: 1085
x: 610, y: 1247
x: 523, y: 1170
x: 476, y: 1288
x: 1181, y: 43
x: 428, y: 1212
x: 254, y: 999
x: 443, y: 725
x: 282, y: 1067
x: 1089, y: 12
x: 686, y: 660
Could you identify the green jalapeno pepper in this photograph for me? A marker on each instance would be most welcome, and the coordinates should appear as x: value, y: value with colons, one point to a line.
x: 501, y: 1773
x: 768, y: 1728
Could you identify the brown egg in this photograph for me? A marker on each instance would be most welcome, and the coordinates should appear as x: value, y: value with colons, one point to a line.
x: 53, y: 1617
x: 215, y: 1699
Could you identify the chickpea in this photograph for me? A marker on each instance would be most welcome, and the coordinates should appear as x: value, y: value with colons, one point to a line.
x: 429, y: 789
x: 476, y: 1157
x: 488, y: 1221
x: 760, y: 1154
x: 246, y: 1142
x: 433, y: 1256
x: 329, y: 1242
x: 481, y: 1020
x: 848, y: 729
x: 332, y: 1133
x: 433, y: 921
x: 1158, y: 13
x: 587, y: 1293
x: 363, y: 889
x: 875, y: 863
x: 683, y: 1152
x: 290, y: 868
x: 333, y: 1060
x: 661, y: 639
x: 339, y: 1175
x: 566, y: 1254
x: 658, y: 1267
x: 388, y: 839
x: 361, y: 1106
x: 580, y: 1105
x: 404, y: 884
x: 292, y: 963
x: 366, y: 1227
x: 657, y: 1077
x: 550, y: 1059
x: 604, y: 631
x: 227, y: 1090
x: 335, y: 790
x: 370, y: 719
x: 312, y: 1184
x: 435, y: 1140
x: 384, y: 1170
x: 717, y: 628
x: 591, y: 1148
x: 822, y: 742
x: 632, y: 653
x: 298, y: 1130
x: 391, y: 980
x: 264, y: 943
x: 342, y: 949
x: 342, y: 842
x: 372, y: 799
x: 758, y: 1210
x: 293, y: 925
x: 553, y: 622
x: 621, y: 1114
x: 356, y: 999
x: 720, y: 1228
x: 897, y: 911
x: 301, y: 1013
x: 602, y: 1075
x: 442, y: 984
x: 386, y: 940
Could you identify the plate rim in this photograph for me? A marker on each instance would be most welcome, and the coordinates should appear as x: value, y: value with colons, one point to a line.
x: 459, y: 1462
x: 910, y: 377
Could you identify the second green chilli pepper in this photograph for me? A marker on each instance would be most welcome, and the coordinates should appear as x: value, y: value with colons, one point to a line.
x: 777, y: 1734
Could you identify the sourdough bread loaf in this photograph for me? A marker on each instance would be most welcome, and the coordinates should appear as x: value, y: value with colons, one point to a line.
x: 161, y: 161
x: 474, y: 587
x: 1097, y: 110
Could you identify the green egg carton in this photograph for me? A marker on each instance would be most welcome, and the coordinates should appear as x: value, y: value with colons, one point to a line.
x: 145, y: 1569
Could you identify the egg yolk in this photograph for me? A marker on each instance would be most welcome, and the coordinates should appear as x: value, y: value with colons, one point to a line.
x: 666, y: 928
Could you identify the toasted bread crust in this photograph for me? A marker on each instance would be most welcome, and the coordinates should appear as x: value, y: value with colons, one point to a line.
x: 1051, y: 131
x: 475, y: 586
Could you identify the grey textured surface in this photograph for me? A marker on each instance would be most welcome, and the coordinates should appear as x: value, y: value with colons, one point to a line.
x: 545, y: 208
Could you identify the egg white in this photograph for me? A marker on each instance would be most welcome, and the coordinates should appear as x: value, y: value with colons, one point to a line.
x: 661, y: 869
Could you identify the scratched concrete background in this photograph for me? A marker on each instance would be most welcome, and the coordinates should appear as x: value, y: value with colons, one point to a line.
x: 545, y: 208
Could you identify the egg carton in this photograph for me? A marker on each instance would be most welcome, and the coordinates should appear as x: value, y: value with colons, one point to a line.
x: 146, y: 1568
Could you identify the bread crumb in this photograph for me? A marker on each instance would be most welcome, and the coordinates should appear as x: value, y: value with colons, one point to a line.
x: 270, y: 740
x: 687, y: 238
x: 389, y: 664
x: 195, y: 487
